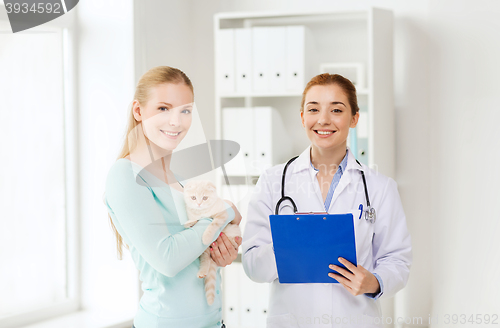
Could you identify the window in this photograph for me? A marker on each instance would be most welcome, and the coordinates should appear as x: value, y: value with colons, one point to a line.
x: 36, y: 220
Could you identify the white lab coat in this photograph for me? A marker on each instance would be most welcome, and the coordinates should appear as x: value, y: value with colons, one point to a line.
x: 383, y: 247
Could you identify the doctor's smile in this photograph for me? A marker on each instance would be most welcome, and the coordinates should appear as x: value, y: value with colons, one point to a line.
x: 324, y: 133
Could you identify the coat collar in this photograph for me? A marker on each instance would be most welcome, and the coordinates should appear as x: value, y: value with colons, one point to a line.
x: 303, y: 162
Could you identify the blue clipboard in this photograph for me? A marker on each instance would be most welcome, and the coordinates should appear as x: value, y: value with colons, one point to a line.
x: 306, y: 244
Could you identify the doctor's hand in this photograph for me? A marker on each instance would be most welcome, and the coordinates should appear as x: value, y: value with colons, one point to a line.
x: 358, y: 282
x: 222, y: 251
x: 237, y: 215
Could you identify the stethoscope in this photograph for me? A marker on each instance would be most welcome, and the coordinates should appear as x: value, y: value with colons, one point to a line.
x: 370, y: 214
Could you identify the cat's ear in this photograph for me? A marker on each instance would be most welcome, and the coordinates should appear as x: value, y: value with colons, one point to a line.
x: 210, y: 186
x: 189, y: 186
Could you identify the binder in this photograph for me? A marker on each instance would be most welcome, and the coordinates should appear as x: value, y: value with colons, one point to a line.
x: 272, y: 142
x: 306, y: 244
x: 225, y: 61
x: 264, y: 142
x: 232, y: 294
x: 261, y: 304
x: 243, y: 60
x: 237, y: 124
x: 260, y: 78
x: 295, y: 61
x: 248, y: 317
x: 276, y: 47
x: 362, y: 127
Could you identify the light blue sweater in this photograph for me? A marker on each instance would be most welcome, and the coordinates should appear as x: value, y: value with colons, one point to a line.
x: 149, y: 215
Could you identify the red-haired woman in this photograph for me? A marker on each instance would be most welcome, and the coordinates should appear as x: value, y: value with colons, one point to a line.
x: 327, y: 178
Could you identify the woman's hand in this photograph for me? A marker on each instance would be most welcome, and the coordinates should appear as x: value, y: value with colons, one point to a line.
x: 223, y: 252
x: 237, y: 215
x: 358, y: 282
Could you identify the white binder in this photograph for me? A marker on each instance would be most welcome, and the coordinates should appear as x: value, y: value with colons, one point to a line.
x: 362, y: 127
x: 243, y: 60
x: 260, y: 78
x: 225, y: 61
x: 249, y: 306
x: 272, y: 144
x: 232, y: 294
x: 301, y: 58
x: 237, y: 125
x: 263, y: 118
x: 245, y: 194
x: 261, y: 304
x: 295, y: 43
x: 276, y: 65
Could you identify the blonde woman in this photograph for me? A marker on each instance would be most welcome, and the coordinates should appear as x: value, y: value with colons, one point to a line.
x: 146, y: 208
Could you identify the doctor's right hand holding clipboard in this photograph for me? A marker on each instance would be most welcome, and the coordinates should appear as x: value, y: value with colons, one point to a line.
x: 300, y: 260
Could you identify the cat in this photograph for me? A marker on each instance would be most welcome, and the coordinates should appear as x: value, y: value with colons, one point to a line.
x: 202, y: 201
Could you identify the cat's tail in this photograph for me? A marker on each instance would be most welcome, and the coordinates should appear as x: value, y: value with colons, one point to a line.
x: 210, y: 281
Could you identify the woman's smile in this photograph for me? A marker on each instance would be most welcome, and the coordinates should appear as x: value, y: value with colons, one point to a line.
x: 171, y: 135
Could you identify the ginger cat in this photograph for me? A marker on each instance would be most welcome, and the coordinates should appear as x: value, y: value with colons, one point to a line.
x: 202, y: 201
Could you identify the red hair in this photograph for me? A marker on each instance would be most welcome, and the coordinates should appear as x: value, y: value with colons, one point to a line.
x: 327, y: 79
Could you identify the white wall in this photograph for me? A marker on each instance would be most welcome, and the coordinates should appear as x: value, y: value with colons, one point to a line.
x: 446, y: 99
x: 464, y: 68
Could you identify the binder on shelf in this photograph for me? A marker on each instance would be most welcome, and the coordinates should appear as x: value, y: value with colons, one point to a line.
x: 244, y: 194
x: 248, y: 317
x: 237, y: 125
x: 272, y: 144
x: 262, y: 137
x: 276, y: 62
x: 362, y: 135
x: 362, y: 126
x: 232, y: 294
x: 306, y: 244
x: 243, y: 60
x: 260, y: 78
x: 261, y: 304
x: 225, y: 61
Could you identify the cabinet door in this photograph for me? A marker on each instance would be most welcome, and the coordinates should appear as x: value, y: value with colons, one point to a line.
x: 225, y: 61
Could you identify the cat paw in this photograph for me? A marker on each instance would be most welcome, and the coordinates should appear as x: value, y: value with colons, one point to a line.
x: 189, y: 224
x: 206, y: 239
x: 201, y: 275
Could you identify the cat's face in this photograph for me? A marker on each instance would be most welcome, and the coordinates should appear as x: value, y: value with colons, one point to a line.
x: 200, y: 194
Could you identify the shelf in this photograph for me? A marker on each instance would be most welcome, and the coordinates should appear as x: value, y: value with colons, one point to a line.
x: 268, y: 95
x: 280, y: 17
x: 261, y: 95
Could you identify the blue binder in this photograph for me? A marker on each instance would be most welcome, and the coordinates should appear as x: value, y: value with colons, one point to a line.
x: 306, y: 244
